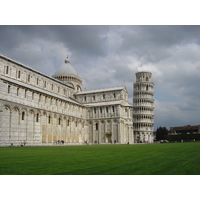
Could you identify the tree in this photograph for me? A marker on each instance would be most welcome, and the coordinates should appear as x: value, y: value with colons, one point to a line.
x: 160, y: 132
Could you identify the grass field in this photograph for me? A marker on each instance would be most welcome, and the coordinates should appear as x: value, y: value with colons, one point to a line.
x: 154, y: 159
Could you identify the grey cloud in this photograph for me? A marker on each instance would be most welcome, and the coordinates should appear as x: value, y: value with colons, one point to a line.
x: 152, y: 43
x: 85, y: 39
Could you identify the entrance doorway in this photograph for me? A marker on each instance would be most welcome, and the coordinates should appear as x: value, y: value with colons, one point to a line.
x: 108, y: 138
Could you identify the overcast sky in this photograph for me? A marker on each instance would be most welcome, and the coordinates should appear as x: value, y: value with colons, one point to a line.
x: 109, y: 56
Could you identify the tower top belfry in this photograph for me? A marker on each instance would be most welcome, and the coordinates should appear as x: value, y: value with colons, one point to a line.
x: 143, y: 76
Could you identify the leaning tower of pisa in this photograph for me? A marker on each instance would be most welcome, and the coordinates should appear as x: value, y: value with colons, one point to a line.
x: 143, y: 108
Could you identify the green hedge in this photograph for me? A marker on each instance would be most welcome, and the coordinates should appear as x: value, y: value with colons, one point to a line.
x: 184, y: 137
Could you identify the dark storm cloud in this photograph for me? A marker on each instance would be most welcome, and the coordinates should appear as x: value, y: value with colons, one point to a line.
x: 109, y: 56
x: 84, y: 39
x: 152, y: 43
x: 78, y: 38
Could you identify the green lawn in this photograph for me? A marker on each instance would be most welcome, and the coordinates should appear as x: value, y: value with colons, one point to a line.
x: 155, y: 159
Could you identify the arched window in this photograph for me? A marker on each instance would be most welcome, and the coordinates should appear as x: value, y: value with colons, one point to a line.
x: 8, y: 89
x: 59, y: 121
x: 19, y: 74
x: 97, y: 126
x: 113, y: 108
x: 37, y: 117
x: 29, y: 77
x: 7, y: 69
x: 49, y: 120
x: 23, y: 115
x: 68, y: 122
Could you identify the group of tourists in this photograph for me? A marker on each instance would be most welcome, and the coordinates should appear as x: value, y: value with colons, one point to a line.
x: 23, y: 143
x: 59, y: 142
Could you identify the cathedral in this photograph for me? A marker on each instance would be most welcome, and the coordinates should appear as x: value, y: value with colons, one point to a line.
x: 38, y: 109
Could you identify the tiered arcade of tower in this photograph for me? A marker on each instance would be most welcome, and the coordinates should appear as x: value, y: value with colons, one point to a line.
x: 143, y: 108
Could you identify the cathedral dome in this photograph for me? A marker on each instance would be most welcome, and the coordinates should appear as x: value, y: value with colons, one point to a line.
x: 68, y: 75
x: 66, y: 69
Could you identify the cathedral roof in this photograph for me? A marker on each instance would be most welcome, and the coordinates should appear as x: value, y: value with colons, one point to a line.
x: 66, y: 69
x: 120, y: 102
x: 101, y: 90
